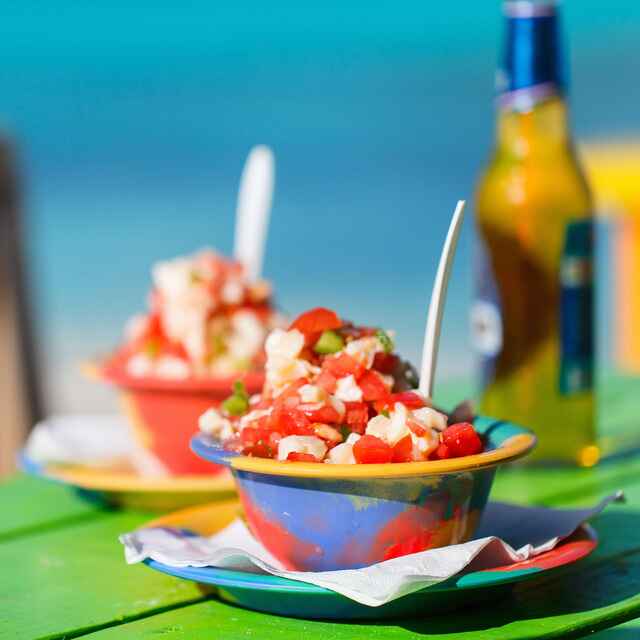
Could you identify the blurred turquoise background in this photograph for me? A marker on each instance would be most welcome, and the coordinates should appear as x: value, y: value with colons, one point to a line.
x: 134, y: 120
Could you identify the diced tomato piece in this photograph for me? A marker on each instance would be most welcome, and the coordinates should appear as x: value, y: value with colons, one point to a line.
x: 462, y: 440
x: 326, y: 414
x: 373, y: 388
x: 154, y: 326
x: 326, y: 381
x: 402, y: 450
x: 291, y: 422
x: 385, y: 362
x: 262, y: 449
x: 343, y: 365
x: 290, y: 402
x: 409, y: 399
x: 372, y: 450
x: 248, y: 436
x: 316, y: 321
x: 356, y: 416
x: 257, y: 442
x: 263, y: 422
x: 295, y: 456
x: 440, y: 453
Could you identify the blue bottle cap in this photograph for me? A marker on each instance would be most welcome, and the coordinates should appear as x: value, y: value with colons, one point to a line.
x: 532, y: 63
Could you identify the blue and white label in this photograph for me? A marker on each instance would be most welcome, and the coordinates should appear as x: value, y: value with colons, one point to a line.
x: 486, y: 318
x: 567, y: 318
x: 576, y: 309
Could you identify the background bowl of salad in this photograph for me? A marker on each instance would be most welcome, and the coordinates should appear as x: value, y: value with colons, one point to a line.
x: 205, y: 329
x: 339, y: 464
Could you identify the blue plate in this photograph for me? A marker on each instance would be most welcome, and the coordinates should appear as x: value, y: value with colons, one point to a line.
x: 281, y: 596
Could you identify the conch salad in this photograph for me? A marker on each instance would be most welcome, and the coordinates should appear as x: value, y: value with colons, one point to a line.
x: 204, y: 319
x: 336, y: 393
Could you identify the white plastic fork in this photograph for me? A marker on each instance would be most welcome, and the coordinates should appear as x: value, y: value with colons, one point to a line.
x: 253, y: 209
x: 436, y: 305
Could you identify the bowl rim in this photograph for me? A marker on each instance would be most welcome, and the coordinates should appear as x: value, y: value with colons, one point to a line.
x: 99, y: 370
x: 511, y: 442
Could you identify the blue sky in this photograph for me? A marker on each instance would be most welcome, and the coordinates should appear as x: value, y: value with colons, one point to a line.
x: 133, y: 124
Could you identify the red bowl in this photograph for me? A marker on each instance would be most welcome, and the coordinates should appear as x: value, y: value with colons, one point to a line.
x: 164, y: 413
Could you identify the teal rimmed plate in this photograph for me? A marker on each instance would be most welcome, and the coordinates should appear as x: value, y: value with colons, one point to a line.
x: 281, y: 596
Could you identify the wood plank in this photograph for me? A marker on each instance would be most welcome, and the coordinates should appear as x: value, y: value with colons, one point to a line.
x: 67, y: 581
x: 91, y: 588
x: 627, y: 631
x: 592, y: 595
x: 563, y: 607
x: 76, y: 580
x: 555, y: 486
x: 33, y: 505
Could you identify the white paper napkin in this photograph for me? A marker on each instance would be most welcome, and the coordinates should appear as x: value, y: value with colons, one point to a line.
x: 507, y: 534
x: 95, y: 440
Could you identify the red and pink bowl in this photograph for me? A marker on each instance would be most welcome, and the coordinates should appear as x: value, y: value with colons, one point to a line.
x: 164, y: 413
x: 323, y: 517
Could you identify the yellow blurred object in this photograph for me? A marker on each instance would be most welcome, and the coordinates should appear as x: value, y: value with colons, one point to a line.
x: 614, y: 173
x: 589, y: 456
x: 613, y: 169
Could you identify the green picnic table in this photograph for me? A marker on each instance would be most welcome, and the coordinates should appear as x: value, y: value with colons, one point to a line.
x: 63, y: 574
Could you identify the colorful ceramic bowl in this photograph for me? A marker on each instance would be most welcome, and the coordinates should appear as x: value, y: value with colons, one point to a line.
x: 164, y: 413
x: 321, y: 517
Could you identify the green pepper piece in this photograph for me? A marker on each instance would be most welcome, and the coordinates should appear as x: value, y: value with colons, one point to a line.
x: 237, y: 403
x: 328, y: 342
x: 345, y: 431
x: 385, y: 340
x: 240, y: 390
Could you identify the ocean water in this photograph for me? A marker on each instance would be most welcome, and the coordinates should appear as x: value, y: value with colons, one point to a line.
x: 133, y: 121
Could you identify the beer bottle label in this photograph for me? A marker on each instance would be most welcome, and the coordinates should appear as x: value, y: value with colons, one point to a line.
x: 576, y: 309
x: 486, y: 318
x: 571, y: 320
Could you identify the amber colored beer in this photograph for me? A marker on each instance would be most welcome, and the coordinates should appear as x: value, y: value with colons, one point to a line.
x: 533, y: 317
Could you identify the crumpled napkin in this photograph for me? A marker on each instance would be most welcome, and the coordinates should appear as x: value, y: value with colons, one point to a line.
x: 507, y: 534
x: 97, y: 440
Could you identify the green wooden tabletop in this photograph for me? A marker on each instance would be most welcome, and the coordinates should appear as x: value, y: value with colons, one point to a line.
x: 63, y: 574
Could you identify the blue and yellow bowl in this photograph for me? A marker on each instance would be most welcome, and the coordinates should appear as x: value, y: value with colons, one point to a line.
x: 322, y: 517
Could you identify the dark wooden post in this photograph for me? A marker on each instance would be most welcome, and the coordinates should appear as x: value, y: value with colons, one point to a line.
x: 20, y: 404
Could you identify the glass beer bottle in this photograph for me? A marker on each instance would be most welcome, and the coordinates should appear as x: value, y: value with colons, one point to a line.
x: 532, y: 320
